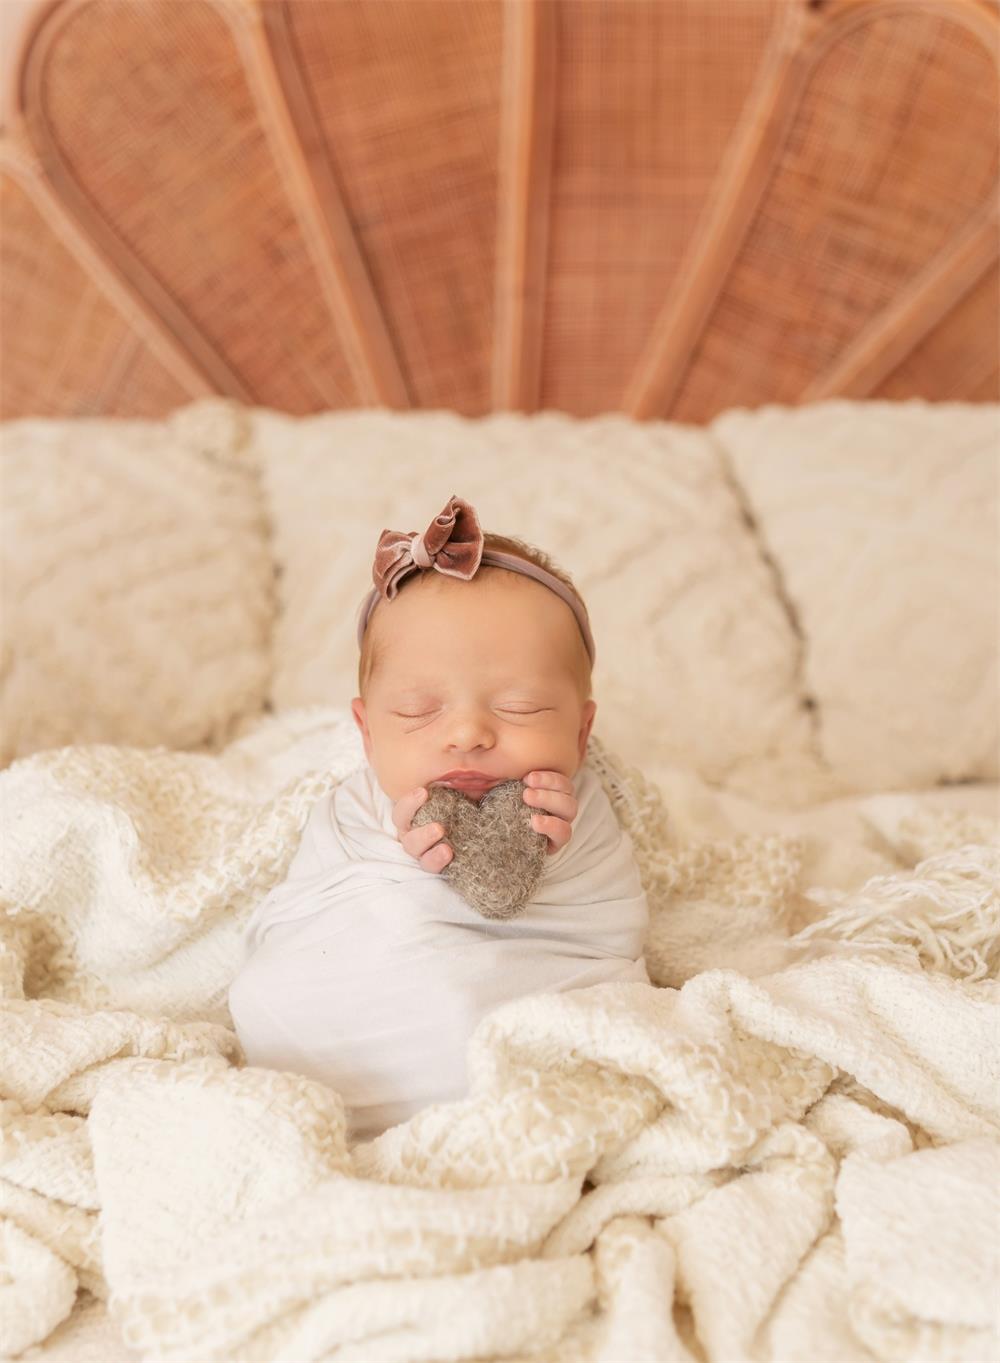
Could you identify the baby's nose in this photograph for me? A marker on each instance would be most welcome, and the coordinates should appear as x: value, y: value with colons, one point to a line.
x: 470, y: 734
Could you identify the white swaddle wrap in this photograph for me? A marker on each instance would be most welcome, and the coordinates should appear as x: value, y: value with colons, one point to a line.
x: 370, y: 974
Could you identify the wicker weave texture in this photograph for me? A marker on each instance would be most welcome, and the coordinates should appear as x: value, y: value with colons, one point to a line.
x: 635, y: 158
x: 963, y: 351
x: 67, y: 349
x: 175, y: 158
x: 663, y: 207
x: 868, y: 189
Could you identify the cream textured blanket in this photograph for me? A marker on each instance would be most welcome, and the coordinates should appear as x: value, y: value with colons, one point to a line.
x: 794, y: 1156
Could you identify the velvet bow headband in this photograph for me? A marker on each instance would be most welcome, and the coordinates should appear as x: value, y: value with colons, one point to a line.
x: 452, y: 544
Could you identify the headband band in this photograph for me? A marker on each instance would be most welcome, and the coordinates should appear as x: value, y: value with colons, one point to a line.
x: 453, y: 544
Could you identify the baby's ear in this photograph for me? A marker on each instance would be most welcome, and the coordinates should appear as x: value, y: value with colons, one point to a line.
x: 360, y: 719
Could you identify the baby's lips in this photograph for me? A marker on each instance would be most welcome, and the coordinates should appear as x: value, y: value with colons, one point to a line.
x: 463, y: 783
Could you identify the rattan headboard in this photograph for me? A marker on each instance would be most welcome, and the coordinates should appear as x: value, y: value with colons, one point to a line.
x: 666, y: 207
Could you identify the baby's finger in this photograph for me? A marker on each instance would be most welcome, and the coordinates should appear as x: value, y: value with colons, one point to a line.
x: 433, y: 856
x: 406, y: 806
x: 421, y: 838
x: 549, y: 780
x: 437, y: 858
x: 551, y: 802
x: 425, y: 844
x: 557, y: 831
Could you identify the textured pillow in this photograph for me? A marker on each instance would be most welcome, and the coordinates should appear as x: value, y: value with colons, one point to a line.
x: 696, y: 659
x: 881, y: 520
x: 137, y: 589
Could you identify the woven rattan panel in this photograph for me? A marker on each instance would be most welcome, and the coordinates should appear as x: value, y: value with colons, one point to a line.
x: 665, y: 207
x: 867, y: 190
x: 87, y: 358
x: 408, y: 101
x: 648, y: 98
x: 174, y: 157
x: 964, y: 350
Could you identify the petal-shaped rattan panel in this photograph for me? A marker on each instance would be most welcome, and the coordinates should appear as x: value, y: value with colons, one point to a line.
x: 95, y: 361
x: 647, y: 99
x: 963, y: 350
x: 872, y: 185
x: 164, y: 143
x: 666, y: 207
x: 407, y: 97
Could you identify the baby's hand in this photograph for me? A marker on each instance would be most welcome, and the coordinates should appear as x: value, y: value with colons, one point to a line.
x: 554, y: 793
x: 424, y: 842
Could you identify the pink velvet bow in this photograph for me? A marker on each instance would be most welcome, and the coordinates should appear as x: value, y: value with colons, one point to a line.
x: 452, y: 544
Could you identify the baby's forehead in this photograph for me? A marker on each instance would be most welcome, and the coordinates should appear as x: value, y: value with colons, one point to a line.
x: 438, y: 627
x: 510, y: 599
x: 544, y: 666
x: 401, y: 674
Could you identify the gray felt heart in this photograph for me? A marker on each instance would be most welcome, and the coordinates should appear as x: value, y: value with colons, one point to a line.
x: 498, y: 857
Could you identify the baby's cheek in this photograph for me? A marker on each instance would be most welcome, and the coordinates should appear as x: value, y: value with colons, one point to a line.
x: 392, y: 787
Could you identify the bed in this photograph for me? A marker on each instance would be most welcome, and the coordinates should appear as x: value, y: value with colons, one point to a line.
x: 760, y: 427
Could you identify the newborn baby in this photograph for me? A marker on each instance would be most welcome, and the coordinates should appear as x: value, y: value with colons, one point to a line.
x: 366, y: 966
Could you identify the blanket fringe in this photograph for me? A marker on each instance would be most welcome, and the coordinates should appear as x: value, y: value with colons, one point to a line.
x: 944, y: 916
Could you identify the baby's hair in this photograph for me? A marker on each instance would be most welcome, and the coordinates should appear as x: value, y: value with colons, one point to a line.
x: 507, y: 544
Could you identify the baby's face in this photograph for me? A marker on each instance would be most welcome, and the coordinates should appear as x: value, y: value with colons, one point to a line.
x: 476, y: 676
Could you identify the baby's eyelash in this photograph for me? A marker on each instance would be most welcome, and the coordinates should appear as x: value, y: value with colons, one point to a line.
x: 423, y: 714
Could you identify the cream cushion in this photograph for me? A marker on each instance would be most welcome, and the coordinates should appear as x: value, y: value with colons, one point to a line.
x: 137, y: 584
x: 881, y: 521
x: 696, y: 659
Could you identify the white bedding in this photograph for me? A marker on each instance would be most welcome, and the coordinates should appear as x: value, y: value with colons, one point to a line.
x: 782, y: 1147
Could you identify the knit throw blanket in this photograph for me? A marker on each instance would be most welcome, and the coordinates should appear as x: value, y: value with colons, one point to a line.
x: 794, y: 1154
